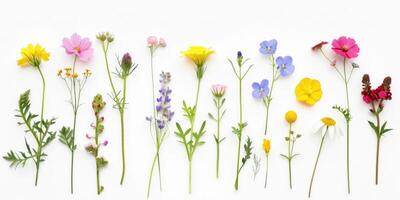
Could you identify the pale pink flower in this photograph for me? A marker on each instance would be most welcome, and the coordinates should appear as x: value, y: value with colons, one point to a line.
x: 346, y: 47
x: 218, y: 90
x: 152, y: 41
x: 78, y: 46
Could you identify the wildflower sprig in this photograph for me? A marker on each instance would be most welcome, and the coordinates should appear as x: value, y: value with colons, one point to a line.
x: 218, y: 92
x: 291, y: 138
x: 328, y: 126
x: 238, y: 131
x: 163, y: 115
x: 80, y: 48
x: 376, y: 99
x: 119, y: 97
x: 190, y: 138
x: 158, y: 122
x: 39, y: 129
x: 266, y: 145
x: 347, y: 49
x: 281, y: 67
x: 97, y: 105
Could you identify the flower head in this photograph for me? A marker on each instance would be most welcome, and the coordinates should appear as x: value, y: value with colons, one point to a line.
x: 308, y: 91
x: 268, y: 47
x: 105, y: 36
x: 285, y: 65
x: 78, y: 46
x: 291, y: 116
x: 328, y: 121
x: 266, y: 146
x: 346, y: 47
x: 218, y: 90
x: 319, y: 46
x: 33, y: 55
x: 98, y: 104
x: 163, y: 107
x: 260, y: 90
x: 152, y: 41
x: 197, y: 54
x: 378, y: 94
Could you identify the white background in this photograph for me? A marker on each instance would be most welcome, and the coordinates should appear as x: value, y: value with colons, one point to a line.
x: 225, y: 26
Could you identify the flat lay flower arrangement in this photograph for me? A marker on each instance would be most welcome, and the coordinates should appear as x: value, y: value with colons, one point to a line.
x: 192, y: 130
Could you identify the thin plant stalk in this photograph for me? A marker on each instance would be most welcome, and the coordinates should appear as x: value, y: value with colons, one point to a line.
x: 240, y: 135
x: 39, y: 150
x: 218, y: 133
x: 316, y: 161
x: 266, y: 171
x: 120, y: 108
x: 268, y: 99
x: 290, y: 151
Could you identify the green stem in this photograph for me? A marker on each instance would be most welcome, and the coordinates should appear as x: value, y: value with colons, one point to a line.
x: 218, y: 131
x: 151, y: 175
x: 269, y: 97
x: 316, y: 161
x: 41, y: 136
x: 96, y: 155
x: 377, y: 160
x: 121, y: 111
x: 75, y: 110
x: 266, y: 171
x: 239, y: 135
x: 190, y: 176
x: 290, y: 155
x: 347, y: 127
x: 378, y: 142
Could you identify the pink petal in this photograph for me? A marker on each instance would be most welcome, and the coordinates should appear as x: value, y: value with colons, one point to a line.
x: 67, y: 46
x: 85, y: 44
x: 86, y: 55
x: 75, y: 40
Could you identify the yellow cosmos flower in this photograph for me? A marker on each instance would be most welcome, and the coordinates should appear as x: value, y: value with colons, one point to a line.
x: 328, y: 121
x: 197, y: 54
x: 266, y: 146
x: 33, y: 55
x: 308, y: 91
x: 291, y: 116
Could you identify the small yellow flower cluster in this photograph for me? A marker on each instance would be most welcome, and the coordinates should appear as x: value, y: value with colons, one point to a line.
x: 69, y: 73
x: 266, y: 146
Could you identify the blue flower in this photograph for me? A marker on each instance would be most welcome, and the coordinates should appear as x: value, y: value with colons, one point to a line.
x: 285, y: 65
x: 268, y: 47
x: 260, y: 90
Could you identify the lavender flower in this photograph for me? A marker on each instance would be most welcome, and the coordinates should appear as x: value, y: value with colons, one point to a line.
x: 163, y: 107
x: 285, y: 65
x: 268, y: 47
x: 260, y: 90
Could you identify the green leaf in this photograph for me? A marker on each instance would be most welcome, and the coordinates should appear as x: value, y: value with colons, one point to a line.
x: 373, y: 126
x: 66, y: 137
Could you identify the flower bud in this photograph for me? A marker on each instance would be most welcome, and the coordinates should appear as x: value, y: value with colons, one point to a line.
x: 162, y: 42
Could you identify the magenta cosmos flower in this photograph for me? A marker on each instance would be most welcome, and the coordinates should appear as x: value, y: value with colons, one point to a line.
x: 78, y: 46
x: 346, y: 47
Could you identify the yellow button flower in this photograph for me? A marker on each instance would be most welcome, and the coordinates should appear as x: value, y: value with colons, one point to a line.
x: 308, y: 91
x: 266, y: 146
x: 291, y: 116
x: 197, y: 54
x: 33, y: 55
x: 328, y: 121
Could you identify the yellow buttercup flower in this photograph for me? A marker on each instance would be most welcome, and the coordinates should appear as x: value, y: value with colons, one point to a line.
x: 33, y: 55
x: 291, y: 116
x: 197, y: 54
x: 308, y: 91
x: 266, y: 146
x: 328, y: 121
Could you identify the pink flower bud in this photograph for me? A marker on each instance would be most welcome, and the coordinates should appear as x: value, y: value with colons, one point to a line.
x: 105, y: 142
x: 218, y: 90
x: 162, y: 42
x: 152, y: 41
x: 333, y: 63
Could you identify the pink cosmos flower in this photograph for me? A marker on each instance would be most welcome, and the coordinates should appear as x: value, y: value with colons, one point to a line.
x: 78, y: 46
x: 346, y: 47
